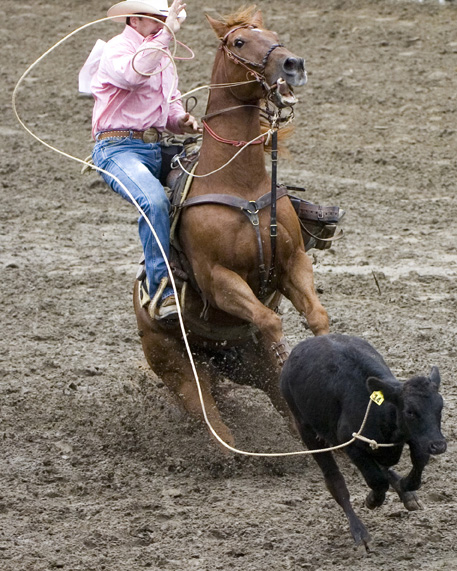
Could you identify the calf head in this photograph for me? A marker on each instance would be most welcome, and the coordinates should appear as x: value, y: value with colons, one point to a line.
x: 419, y: 407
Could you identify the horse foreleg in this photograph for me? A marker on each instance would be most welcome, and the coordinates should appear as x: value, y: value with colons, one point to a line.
x: 233, y: 295
x: 298, y: 285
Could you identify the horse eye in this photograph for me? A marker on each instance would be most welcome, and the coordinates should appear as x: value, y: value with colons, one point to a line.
x: 238, y: 43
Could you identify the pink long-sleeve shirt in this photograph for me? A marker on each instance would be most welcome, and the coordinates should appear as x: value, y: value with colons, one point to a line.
x: 125, y: 99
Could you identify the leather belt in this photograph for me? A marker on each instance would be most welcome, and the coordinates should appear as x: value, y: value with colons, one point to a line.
x: 149, y: 136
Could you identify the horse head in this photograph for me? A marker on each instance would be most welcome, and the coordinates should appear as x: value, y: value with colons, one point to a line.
x: 251, y: 52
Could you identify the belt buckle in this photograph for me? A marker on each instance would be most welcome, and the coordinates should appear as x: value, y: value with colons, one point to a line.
x: 151, y: 135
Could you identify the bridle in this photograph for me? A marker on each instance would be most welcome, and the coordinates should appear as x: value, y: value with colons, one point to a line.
x: 255, y: 69
x: 251, y: 66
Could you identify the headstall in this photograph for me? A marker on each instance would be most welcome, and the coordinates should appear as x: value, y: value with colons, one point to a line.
x: 248, y: 64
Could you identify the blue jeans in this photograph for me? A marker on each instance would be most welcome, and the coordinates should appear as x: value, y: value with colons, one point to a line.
x: 137, y: 165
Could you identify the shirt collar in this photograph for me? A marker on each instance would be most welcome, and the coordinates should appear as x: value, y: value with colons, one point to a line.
x: 132, y: 34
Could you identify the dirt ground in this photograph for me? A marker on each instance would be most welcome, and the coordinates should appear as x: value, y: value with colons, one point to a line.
x: 99, y: 467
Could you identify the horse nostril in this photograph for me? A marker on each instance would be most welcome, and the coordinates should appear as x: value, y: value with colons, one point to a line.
x: 294, y: 64
x: 438, y: 447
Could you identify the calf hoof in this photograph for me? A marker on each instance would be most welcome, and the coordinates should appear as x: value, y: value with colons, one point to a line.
x: 373, y: 501
x: 360, y: 534
x: 411, y: 501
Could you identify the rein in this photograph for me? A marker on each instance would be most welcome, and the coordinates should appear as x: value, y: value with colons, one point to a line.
x: 229, y: 141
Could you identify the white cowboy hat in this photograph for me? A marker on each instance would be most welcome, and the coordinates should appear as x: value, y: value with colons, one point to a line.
x: 153, y: 7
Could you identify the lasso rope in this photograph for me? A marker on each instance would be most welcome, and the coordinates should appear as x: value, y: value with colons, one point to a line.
x: 170, y: 273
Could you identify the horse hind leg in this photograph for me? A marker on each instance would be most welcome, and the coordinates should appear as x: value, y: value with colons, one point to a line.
x: 167, y: 357
x: 257, y: 367
x: 180, y: 379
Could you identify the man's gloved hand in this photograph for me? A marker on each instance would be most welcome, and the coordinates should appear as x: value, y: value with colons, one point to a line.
x: 188, y: 124
x: 174, y: 20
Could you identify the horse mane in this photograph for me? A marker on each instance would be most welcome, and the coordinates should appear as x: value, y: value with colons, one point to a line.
x: 243, y: 16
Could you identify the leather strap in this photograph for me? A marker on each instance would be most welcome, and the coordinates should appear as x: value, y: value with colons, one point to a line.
x: 121, y: 133
x: 251, y: 209
x: 235, y: 201
x: 151, y: 135
x: 310, y: 211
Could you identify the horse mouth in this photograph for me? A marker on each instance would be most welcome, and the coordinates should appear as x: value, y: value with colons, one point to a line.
x: 283, y: 95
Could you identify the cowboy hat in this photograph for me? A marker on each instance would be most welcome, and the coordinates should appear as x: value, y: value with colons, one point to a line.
x: 154, y: 7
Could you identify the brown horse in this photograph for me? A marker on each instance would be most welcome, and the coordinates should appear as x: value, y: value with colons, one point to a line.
x: 229, y: 301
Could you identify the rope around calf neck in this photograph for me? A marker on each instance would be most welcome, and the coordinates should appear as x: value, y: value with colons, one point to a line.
x: 170, y: 273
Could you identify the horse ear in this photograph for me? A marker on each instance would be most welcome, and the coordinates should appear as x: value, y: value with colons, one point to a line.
x: 257, y: 19
x: 219, y: 28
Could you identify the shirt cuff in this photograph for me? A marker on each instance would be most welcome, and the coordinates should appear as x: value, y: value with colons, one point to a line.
x: 163, y: 37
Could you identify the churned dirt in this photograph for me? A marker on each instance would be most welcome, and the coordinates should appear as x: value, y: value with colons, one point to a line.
x: 99, y: 467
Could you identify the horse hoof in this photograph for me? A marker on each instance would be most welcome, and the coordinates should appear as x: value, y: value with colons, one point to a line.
x: 224, y: 439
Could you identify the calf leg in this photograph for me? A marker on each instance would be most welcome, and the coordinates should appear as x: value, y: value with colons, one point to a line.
x: 336, y: 484
x: 374, y: 475
x: 410, y: 499
x: 419, y: 460
x: 407, y: 486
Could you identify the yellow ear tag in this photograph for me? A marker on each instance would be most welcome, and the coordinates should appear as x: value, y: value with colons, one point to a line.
x: 377, y: 397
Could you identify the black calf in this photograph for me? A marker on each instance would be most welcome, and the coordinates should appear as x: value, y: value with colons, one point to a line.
x: 327, y: 382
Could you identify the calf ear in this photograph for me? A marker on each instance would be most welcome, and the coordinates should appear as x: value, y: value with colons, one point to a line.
x: 390, y: 389
x: 435, y: 378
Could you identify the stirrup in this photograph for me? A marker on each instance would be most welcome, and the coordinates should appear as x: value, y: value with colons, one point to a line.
x: 157, y: 296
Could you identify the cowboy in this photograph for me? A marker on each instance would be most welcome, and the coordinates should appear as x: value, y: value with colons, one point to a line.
x: 136, y: 99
